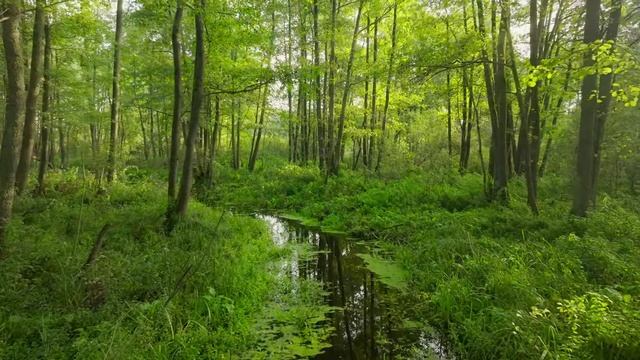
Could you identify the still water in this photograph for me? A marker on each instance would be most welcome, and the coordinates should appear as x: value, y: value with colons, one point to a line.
x: 371, y: 321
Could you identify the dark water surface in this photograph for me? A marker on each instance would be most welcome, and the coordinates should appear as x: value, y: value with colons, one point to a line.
x: 370, y: 324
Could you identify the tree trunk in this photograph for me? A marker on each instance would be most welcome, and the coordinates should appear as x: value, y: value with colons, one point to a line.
x: 588, y: 111
x: 374, y: 94
x: 604, y: 98
x: 499, y: 130
x: 177, y: 103
x: 489, y: 85
x: 217, y: 126
x: 337, y: 150
x: 255, y: 145
x: 115, y: 100
x: 316, y: 63
x: 385, y: 111
x: 46, y: 116
x: 533, y: 118
x: 35, y: 77
x: 62, y: 145
x: 332, y: 88
x: 289, y: 55
x: 14, y: 112
x: 194, y: 123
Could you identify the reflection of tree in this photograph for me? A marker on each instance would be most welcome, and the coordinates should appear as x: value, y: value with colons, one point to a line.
x: 351, y: 287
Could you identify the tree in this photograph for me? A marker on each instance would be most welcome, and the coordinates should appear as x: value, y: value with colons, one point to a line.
x: 115, y: 98
x: 177, y: 102
x: 46, y: 114
x: 604, y: 97
x: 336, y: 150
x: 385, y: 111
x: 14, y: 111
x: 35, y: 77
x: 197, y: 99
x: 588, y: 112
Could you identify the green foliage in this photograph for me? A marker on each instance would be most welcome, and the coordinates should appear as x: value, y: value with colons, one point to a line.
x: 51, y: 308
x: 497, y: 281
x: 388, y: 273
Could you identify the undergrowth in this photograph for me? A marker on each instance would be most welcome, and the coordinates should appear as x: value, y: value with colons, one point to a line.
x: 497, y: 281
x: 135, y: 301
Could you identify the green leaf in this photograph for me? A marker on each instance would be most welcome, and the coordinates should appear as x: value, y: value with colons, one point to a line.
x: 389, y: 273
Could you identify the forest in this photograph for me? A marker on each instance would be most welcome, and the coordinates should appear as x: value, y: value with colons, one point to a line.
x: 320, y: 179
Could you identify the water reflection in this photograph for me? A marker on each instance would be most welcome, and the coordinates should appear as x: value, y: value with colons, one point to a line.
x: 368, y: 325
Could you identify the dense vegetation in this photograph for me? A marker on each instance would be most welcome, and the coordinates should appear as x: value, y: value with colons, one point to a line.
x: 484, y: 152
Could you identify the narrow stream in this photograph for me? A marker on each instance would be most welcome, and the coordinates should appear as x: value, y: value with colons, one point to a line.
x: 370, y: 324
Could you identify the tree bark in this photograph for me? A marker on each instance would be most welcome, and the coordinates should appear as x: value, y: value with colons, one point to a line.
x: 255, y: 144
x: 331, y: 79
x: 177, y: 102
x: 194, y: 123
x: 115, y: 99
x: 374, y: 94
x: 14, y: 112
x: 489, y: 85
x: 385, y: 111
x: 35, y: 77
x: 499, y: 130
x: 318, y: 89
x: 217, y: 126
x: 604, y: 98
x: 46, y: 116
x: 588, y: 110
x: 337, y: 150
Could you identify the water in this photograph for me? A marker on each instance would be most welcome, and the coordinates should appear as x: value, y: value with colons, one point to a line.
x: 371, y: 323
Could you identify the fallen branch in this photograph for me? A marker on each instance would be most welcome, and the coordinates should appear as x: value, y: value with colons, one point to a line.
x: 96, y: 246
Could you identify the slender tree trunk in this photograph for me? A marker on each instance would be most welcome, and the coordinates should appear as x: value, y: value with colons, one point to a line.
x: 289, y: 56
x: 35, y: 77
x: 115, y: 99
x: 449, y: 138
x: 194, y: 123
x: 533, y: 118
x: 316, y: 63
x: 604, y: 99
x: 385, y: 111
x: 499, y: 130
x: 14, y: 112
x: 365, y: 123
x: 489, y: 85
x: 94, y: 126
x: 217, y: 126
x: 145, y: 142
x: 177, y: 103
x: 61, y: 142
x: 337, y: 150
x: 255, y: 144
x: 46, y: 116
x: 374, y: 94
x: 588, y: 111
x: 449, y: 124
x: 332, y: 88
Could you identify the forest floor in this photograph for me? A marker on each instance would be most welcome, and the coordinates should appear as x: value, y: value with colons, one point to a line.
x: 207, y: 290
x: 498, y: 281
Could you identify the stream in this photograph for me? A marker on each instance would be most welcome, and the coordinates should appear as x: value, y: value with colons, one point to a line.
x: 370, y: 323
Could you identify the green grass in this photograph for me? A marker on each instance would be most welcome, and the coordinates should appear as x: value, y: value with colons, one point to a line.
x: 497, y: 281
x: 225, y: 307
